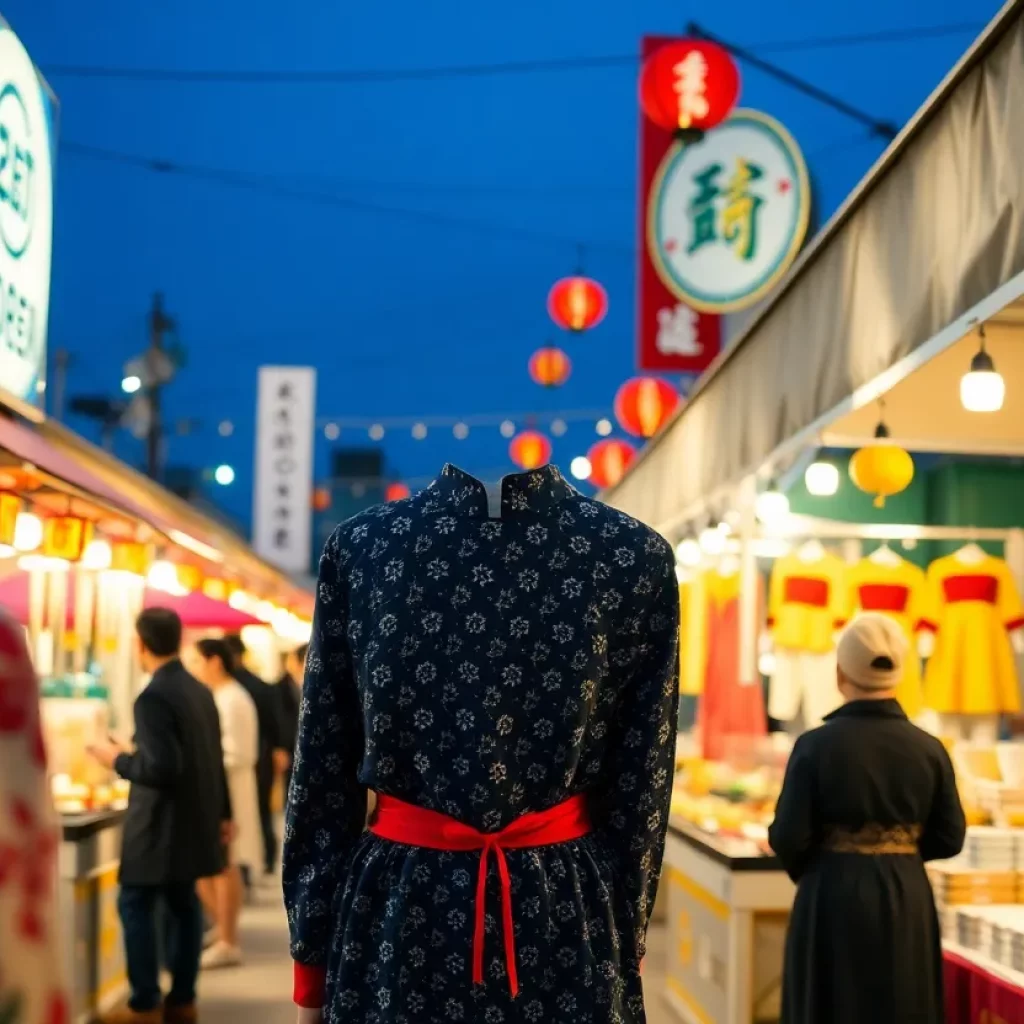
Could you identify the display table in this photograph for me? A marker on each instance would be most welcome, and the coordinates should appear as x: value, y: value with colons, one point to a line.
x: 90, y: 854
x: 978, y: 992
x: 727, y: 907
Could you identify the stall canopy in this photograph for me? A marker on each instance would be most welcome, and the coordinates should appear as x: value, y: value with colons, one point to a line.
x: 931, y: 241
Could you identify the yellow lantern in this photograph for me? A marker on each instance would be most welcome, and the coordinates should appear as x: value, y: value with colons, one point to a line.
x: 127, y: 556
x: 883, y: 468
x: 10, y: 506
x: 66, y: 537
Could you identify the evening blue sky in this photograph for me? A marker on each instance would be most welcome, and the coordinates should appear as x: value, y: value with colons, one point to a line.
x: 401, y: 315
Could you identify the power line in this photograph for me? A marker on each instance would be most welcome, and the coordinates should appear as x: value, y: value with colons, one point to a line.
x: 884, y: 129
x: 227, y: 76
x: 905, y: 35
x: 270, y: 186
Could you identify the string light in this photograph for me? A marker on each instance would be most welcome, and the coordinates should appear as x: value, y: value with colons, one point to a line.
x: 461, y: 431
x: 604, y: 427
x: 226, y: 428
x: 508, y: 429
x: 581, y: 468
x: 332, y: 431
x: 376, y: 432
x: 419, y: 431
x: 559, y: 428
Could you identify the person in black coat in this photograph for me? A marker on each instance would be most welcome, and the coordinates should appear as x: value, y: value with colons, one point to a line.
x: 867, y: 799
x: 275, y: 754
x: 289, y: 691
x: 177, y: 824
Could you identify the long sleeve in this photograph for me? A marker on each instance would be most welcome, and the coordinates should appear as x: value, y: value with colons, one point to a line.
x: 1010, y: 610
x: 632, y: 809
x: 157, y: 760
x: 946, y: 827
x: 327, y: 803
x: 791, y: 834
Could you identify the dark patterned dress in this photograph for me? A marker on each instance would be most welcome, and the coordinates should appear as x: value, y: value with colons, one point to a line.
x: 484, y: 665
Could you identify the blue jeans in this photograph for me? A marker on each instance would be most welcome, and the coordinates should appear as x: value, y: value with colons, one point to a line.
x: 139, y: 907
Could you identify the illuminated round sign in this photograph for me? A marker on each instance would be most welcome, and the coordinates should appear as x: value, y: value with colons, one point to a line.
x: 26, y: 220
x: 727, y: 215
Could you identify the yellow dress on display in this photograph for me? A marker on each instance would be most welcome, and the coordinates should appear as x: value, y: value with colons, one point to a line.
x: 900, y: 592
x: 693, y: 635
x: 808, y: 602
x: 973, y: 609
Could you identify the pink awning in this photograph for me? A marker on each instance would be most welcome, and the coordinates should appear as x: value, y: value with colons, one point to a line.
x: 197, y: 611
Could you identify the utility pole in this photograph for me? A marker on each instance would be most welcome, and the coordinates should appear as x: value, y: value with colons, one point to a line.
x: 159, y: 324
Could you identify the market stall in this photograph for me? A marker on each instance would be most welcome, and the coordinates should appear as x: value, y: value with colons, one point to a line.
x: 890, y: 360
x: 85, y: 544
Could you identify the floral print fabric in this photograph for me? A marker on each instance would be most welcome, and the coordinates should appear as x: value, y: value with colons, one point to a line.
x: 484, y: 667
x: 30, y: 965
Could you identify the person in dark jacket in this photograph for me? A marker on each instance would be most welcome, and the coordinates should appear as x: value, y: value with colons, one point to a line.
x: 177, y: 824
x: 289, y: 692
x: 275, y: 755
x: 867, y: 799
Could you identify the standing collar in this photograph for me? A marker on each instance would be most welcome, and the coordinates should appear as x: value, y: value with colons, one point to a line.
x: 535, y: 491
x: 868, y: 709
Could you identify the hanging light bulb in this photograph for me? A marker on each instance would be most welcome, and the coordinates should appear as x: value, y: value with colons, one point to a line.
x: 772, y: 506
x: 689, y: 553
x: 98, y: 555
x: 28, y: 532
x: 982, y: 388
x: 712, y: 541
x: 821, y: 479
x: 581, y: 468
x: 163, y: 576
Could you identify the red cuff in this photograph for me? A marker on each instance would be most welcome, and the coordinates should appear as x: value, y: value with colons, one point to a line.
x: 924, y: 626
x: 308, y: 986
x: 1014, y: 624
x: 838, y: 623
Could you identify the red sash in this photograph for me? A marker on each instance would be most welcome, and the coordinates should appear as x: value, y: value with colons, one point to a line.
x: 405, y: 823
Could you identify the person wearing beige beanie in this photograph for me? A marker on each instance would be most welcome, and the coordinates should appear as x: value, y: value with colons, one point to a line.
x: 867, y: 799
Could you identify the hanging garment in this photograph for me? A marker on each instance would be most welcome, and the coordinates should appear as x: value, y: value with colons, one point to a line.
x: 727, y: 707
x: 803, y: 685
x: 899, y: 592
x: 491, y: 669
x: 973, y: 670
x: 693, y: 635
x: 808, y: 602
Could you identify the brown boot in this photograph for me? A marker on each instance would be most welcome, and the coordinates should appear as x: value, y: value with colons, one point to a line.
x: 181, y: 1014
x: 126, y: 1015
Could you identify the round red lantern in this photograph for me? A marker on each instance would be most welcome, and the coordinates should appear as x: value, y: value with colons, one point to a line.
x: 577, y: 303
x: 530, y: 450
x: 644, y: 405
x: 689, y: 86
x: 550, y: 367
x: 609, y: 460
x: 396, y: 492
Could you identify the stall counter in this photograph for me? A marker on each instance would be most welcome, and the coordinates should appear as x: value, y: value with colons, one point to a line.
x: 728, y: 906
x: 90, y: 854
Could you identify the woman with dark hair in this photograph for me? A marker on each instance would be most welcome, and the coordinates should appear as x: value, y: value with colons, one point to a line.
x: 211, y: 663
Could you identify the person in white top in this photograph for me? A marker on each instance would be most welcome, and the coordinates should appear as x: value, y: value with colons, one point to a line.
x: 239, y: 729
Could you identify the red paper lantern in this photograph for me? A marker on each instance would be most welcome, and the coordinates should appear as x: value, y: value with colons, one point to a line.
x: 644, y: 405
x: 396, y: 492
x: 550, y: 367
x: 530, y: 450
x: 609, y: 460
x: 577, y: 303
x: 688, y: 86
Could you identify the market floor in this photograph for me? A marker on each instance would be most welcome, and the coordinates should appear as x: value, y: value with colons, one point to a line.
x: 260, y: 991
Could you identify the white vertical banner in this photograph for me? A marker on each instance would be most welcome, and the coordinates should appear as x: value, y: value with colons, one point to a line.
x: 283, y: 493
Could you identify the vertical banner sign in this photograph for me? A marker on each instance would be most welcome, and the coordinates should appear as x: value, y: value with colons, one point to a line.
x: 283, y: 495
x: 672, y: 337
x: 27, y: 140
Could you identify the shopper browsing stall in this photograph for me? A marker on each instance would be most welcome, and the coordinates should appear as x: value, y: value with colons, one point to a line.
x: 867, y: 798
x: 179, y: 816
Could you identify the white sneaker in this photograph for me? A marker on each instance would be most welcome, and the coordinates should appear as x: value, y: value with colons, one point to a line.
x: 220, y: 954
x: 210, y: 937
